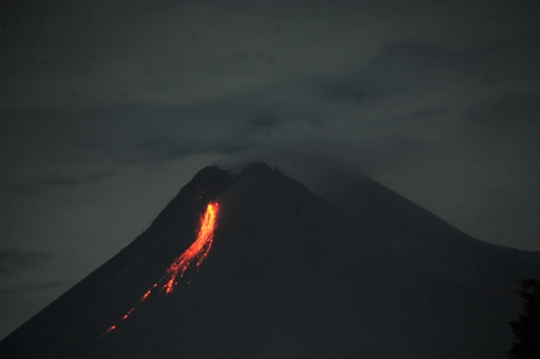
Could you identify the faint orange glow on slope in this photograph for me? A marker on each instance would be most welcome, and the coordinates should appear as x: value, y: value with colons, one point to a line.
x: 194, y: 255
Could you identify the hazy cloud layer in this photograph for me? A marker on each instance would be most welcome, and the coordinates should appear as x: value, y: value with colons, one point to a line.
x: 413, y: 107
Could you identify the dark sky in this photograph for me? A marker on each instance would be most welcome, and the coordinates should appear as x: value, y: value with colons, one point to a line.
x: 109, y: 108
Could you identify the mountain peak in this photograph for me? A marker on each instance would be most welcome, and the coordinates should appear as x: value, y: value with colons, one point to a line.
x: 257, y: 167
x: 287, y: 275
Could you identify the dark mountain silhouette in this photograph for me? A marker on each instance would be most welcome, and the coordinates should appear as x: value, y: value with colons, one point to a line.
x: 290, y: 275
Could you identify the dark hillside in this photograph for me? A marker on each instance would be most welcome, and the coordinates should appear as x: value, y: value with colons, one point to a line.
x: 290, y: 275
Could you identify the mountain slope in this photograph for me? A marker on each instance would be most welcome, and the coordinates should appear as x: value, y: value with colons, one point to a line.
x: 290, y: 275
x: 485, y: 273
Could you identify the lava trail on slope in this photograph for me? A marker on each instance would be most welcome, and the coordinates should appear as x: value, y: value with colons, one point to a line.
x: 193, y: 256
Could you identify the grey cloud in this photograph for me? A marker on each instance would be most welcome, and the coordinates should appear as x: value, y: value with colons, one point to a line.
x: 507, y: 124
x: 381, y: 94
x: 21, y: 255
x: 12, y: 261
x: 431, y: 112
x: 73, y: 181
x: 411, y: 54
x: 504, y: 132
x: 30, y: 287
x: 138, y: 134
x: 265, y: 121
x: 345, y: 90
x: 16, y: 187
x: 507, y: 111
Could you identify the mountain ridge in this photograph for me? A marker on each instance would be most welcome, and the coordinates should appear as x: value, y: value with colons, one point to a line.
x: 289, y: 274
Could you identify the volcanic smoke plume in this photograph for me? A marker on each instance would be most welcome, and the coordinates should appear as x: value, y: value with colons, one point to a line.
x: 281, y: 272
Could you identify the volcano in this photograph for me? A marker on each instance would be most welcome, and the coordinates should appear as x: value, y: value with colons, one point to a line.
x: 284, y: 273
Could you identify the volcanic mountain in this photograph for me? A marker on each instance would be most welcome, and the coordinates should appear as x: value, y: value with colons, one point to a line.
x: 255, y: 265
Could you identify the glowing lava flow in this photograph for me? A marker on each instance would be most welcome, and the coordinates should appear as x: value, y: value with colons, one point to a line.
x: 197, y: 251
x: 195, y: 254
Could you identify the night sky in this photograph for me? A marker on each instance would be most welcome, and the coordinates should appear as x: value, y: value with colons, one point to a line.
x: 108, y: 108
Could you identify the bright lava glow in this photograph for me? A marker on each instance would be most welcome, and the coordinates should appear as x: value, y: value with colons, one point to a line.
x: 194, y: 255
x: 197, y: 252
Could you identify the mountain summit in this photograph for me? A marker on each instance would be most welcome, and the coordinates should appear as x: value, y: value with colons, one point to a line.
x: 282, y: 272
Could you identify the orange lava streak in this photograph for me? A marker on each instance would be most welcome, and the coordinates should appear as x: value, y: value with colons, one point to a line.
x: 196, y: 252
x: 110, y: 329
